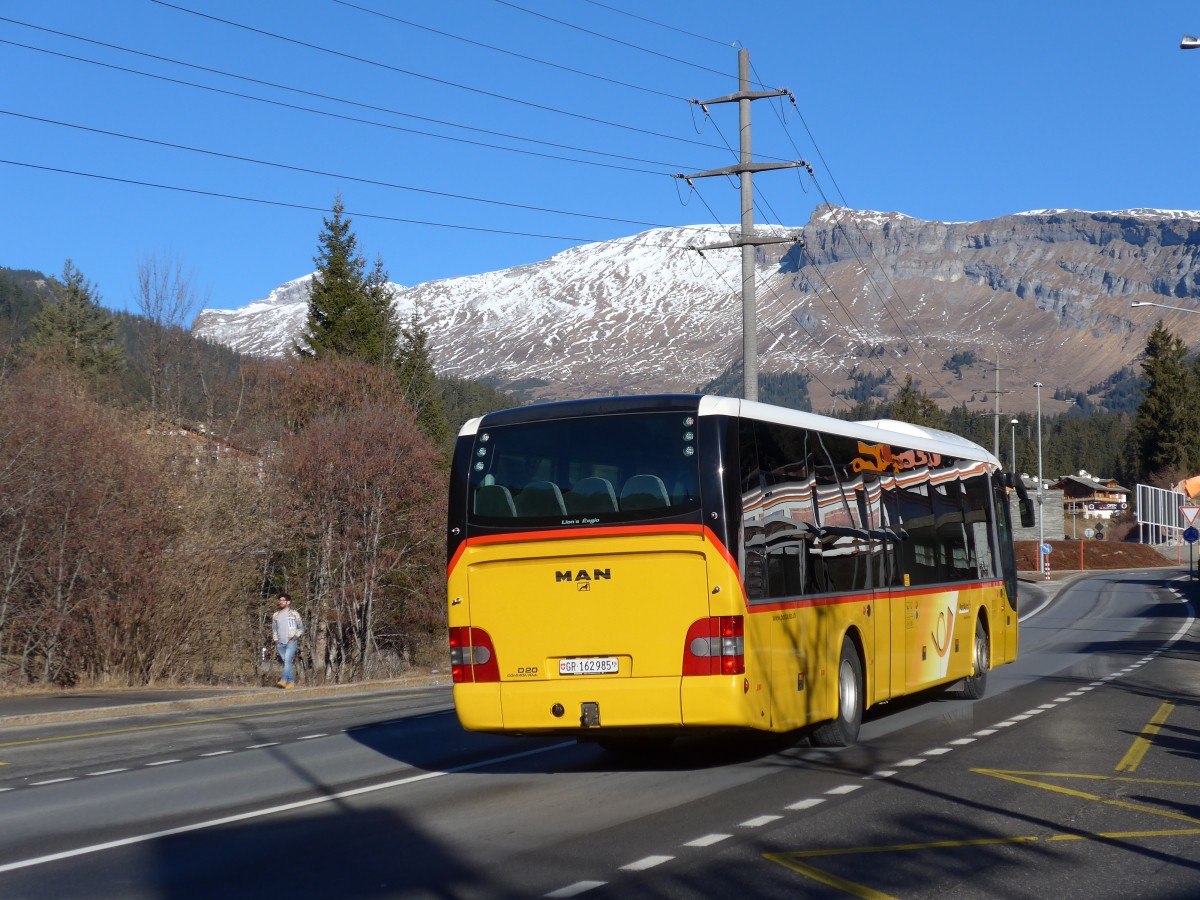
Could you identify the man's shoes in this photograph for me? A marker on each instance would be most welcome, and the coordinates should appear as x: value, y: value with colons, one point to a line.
x: 281, y: 684
x: 289, y: 684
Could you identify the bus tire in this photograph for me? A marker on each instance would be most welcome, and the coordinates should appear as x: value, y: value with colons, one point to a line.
x: 975, y: 684
x: 843, y: 730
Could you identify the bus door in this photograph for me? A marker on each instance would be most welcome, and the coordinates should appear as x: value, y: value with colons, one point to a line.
x: 1005, y: 648
x: 886, y: 584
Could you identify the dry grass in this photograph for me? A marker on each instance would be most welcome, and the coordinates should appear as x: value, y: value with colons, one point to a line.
x: 1064, y: 556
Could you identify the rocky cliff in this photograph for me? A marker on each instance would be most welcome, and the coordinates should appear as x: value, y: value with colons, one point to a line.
x: 880, y: 295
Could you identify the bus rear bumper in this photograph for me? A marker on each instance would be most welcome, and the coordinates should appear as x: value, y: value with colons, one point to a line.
x: 586, y: 705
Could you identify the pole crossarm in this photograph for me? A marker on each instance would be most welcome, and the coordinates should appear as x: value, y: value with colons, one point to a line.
x: 748, y: 167
x: 749, y: 242
x: 743, y: 95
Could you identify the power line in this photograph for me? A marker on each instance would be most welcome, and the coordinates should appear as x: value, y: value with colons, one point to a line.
x: 307, y: 171
x: 442, y: 81
x: 605, y: 37
x: 575, y: 239
x: 512, y: 53
x: 624, y: 12
x: 294, y: 90
x: 289, y: 205
x: 355, y: 119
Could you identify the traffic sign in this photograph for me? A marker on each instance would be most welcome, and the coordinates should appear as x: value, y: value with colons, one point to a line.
x: 1189, y: 513
x: 1087, y: 532
x: 1046, y: 548
x: 1191, y: 535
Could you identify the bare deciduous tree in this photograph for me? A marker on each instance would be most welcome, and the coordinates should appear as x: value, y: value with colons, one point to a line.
x: 166, y: 297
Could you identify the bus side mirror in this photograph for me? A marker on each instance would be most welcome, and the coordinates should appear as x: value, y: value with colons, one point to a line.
x: 1025, y: 502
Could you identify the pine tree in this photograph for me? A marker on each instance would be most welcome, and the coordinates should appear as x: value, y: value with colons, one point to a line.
x: 1165, y: 430
x: 74, y: 330
x: 415, y: 371
x: 349, y: 311
x: 916, y: 407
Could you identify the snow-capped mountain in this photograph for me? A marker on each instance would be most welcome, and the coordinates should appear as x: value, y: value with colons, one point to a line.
x: 863, y: 294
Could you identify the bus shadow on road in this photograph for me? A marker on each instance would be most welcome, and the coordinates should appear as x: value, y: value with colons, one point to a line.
x: 336, y: 850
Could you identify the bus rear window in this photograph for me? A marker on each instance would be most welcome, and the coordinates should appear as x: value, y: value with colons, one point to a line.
x: 587, y: 470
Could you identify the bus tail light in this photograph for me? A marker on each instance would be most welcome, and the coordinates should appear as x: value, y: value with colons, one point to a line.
x: 472, y: 657
x: 715, y: 646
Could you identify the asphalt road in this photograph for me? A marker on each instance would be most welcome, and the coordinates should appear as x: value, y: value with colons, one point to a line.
x: 1077, y: 775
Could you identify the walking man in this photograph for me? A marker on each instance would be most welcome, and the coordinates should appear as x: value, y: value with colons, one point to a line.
x: 286, y: 629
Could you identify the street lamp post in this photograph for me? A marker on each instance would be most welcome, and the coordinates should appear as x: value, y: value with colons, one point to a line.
x: 1013, y: 423
x: 1040, y: 502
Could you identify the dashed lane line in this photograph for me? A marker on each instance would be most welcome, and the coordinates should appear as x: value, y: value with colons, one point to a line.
x: 133, y: 729
x: 648, y: 862
x: 792, y: 860
x: 274, y: 810
x: 708, y: 840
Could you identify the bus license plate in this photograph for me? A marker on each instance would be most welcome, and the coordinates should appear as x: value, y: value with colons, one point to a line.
x: 588, y: 665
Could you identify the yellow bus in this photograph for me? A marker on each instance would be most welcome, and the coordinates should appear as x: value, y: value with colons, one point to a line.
x: 632, y: 568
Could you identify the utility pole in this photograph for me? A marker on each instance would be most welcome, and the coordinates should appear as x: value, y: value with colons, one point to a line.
x: 745, y: 169
x: 996, y: 414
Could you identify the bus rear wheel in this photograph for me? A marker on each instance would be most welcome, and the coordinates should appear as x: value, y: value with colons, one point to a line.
x: 843, y: 730
x: 975, y: 684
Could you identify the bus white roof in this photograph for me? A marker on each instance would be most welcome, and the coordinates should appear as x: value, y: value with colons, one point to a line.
x: 880, y: 431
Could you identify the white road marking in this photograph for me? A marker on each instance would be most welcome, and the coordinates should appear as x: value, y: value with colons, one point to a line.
x: 708, y: 840
x: 49, y: 781
x: 807, y: 804
x: 271, y: 810
x: 962, y: 742
x: 759, y: 821
x: 909, y: 762
x: 217, y: 753
x: 844, y: 789
x: 986, y: 732
x: 260, y: 746
x: 164, y: 762
x: 309, y: 737
x: 108, y: 772
x: 648, y: 862
x: 882, y: 773
x: 937, y: 751
x: 574, y: 890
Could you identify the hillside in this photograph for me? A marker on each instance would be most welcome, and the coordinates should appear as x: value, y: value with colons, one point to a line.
x: 862, y: 295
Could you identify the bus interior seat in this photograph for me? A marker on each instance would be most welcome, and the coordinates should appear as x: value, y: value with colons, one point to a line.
x: 644, y: 492
x: 494, y: 500
x: 592, y: 495
x: 541, y: 498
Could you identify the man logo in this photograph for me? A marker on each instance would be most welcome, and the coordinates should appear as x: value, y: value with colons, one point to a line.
x: 583, y: 577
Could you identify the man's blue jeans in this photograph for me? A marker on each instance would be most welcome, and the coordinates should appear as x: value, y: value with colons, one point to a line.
x: 287, y: 652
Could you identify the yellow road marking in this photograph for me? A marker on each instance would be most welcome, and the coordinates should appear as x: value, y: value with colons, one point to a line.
x: 1083, y: 795
x: 793, y: 860
x: 205, y: 721
x: 850, y: 887
x: 1130, y: 761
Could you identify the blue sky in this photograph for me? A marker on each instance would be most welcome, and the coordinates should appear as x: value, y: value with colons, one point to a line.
x: 939, y: 110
